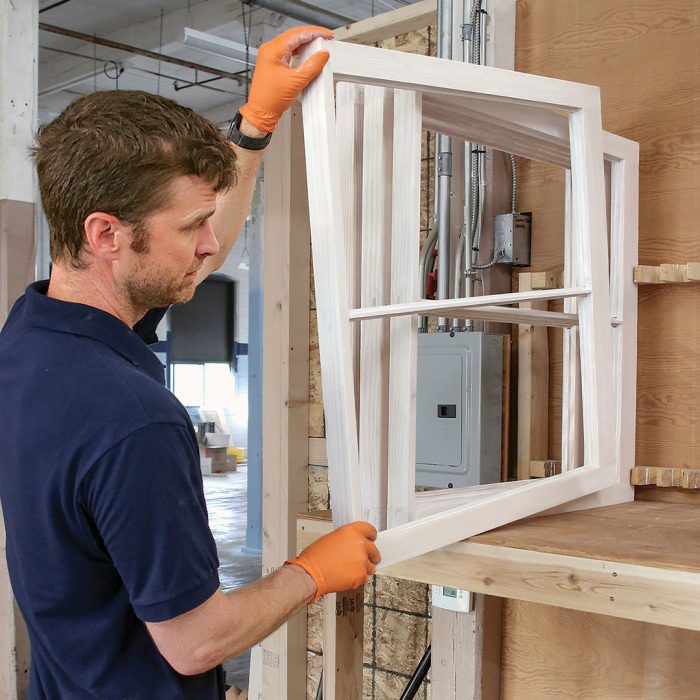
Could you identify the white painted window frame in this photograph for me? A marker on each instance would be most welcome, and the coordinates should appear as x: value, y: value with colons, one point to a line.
x: 527, y: 115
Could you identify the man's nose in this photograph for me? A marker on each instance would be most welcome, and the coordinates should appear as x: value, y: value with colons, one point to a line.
x: 208, y: 243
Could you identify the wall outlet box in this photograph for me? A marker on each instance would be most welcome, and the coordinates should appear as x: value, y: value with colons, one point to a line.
x: 453, y: 599
x: 512, y: 236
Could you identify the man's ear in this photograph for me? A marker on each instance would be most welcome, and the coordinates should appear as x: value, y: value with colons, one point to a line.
x: 104, y: 235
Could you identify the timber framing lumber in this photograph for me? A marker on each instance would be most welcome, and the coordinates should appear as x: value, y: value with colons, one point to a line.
x: 389, y: 24
x: 533, y: 379
x: 285, y: 390
x: 602, y: 560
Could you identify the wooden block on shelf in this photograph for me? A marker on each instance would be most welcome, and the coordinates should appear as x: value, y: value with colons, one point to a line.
x: 544, y: 467
x: 690, y: 478
x: 543, y: 280
x: 667, y: 273
x: 673, y: 273
x: 643, y: 476
x: 693, y: 271
x: 646, y: 274
x: 668, y: 477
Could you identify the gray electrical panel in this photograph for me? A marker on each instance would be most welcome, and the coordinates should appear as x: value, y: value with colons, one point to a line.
x: 459, y: 409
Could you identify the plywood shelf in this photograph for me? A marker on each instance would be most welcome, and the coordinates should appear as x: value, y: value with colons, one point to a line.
x: 638, y: 561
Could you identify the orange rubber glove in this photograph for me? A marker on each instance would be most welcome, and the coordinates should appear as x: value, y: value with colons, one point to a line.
x: 342, y: 559
x: 275, y: 85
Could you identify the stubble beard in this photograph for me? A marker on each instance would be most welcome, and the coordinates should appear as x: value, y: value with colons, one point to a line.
x: 149, y: 287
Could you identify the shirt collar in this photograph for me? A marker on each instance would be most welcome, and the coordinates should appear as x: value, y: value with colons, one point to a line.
x: 80, y: 319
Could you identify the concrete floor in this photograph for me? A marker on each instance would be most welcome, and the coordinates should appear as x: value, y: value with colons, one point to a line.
x: 226, y: 496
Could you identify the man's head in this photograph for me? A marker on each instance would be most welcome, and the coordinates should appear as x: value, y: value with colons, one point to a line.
x: 121, y: 153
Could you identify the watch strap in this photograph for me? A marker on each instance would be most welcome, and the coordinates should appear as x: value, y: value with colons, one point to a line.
x: 247, y: 142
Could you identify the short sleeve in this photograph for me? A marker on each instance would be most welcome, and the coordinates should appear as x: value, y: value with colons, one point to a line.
x: 146, y: 500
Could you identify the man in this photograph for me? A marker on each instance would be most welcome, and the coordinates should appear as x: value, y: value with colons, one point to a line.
x: 110, y: 555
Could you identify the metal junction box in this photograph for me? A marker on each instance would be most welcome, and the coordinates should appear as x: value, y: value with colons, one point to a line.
x: 512, y: 236
x: 458, y: 409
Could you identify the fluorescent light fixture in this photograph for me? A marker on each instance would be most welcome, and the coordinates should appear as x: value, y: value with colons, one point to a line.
x: 218, y: 46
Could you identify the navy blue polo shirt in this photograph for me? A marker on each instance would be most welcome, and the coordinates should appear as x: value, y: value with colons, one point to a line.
x: 103, y: 503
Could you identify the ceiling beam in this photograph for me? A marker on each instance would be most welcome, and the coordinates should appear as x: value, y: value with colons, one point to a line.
x: 303, y: 12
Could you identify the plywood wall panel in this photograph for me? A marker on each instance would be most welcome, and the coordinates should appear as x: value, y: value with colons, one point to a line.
x: 668, y: 382
x: 646, y: 59
x: 648, y: 66
x: 594, y: 657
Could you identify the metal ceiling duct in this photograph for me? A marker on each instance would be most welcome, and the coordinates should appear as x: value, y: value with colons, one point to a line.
x: 303, y: 12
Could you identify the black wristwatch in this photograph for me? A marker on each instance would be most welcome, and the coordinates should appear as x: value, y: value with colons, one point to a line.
x: 247, y: 142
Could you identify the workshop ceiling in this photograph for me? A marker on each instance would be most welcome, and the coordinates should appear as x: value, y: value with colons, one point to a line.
x: 70, y: 67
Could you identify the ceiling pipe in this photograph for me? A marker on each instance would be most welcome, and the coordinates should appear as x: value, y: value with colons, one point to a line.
x: 118, y: 46
x: 444, y: 171
x: 303, y: 12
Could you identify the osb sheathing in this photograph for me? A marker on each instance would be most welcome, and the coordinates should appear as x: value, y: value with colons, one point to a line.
x: 397, y: 613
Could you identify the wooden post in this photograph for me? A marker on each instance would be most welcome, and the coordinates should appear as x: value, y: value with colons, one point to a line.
x: 466, y: 651
x: 533, y: 387
x: 285, y: 388
x: 18, y: 88
x: 343, y: 634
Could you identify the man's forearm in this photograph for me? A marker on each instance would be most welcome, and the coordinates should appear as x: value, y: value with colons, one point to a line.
x: 227, y: 624
x: 232, y: 206
x: 283, y: 593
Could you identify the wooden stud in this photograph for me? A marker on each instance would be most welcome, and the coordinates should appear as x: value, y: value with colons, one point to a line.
x: 342, y: 659
x: 533, y: 386
x: 466, y: 651
x: 285, y: 389
x: 389, y: 24
x: 506, y: 418
x: 342, y: 644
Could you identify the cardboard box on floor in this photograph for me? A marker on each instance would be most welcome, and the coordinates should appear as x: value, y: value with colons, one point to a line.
x: 221, y: 461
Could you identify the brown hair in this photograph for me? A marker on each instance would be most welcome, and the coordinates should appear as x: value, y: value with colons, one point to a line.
x: 118, y: 152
